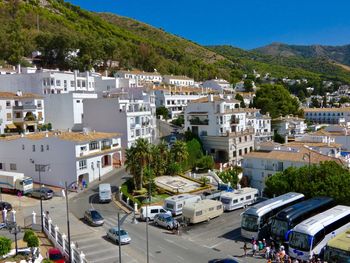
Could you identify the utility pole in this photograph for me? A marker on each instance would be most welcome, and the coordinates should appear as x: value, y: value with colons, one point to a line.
x: 68, y: 224
x: 120, y: 248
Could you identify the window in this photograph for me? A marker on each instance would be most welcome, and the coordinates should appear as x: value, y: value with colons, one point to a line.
x: 13, y: 167
x: 33, y: 147
x: 8, y: 103
x: 18, y: 115
x: 72, y: 83
x: 154, y: 211
x: 240, y: 152
x: 65, y: 83
x: 58, y: 82
x: 248, y: 197
x: 82, y: 164
x: 235, y: 201
x: 83, y: 84
x: 245, y: 150
x: 1, y: 166
x: 8, y: 116
x: 41, y: 148
x: 93, y: 145
x: 199, y: 213
x: 211, y: 208
x: 218, y: 207
x: 47, y: 147
x: 78, y: 101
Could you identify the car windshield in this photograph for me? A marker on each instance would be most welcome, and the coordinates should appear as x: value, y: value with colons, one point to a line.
x: 279, y: 227
x: 96, y: 215
x: 250, y: 223
x: 225, y: 200
x: 28, y: 181
x: 56, y: 256
x: 168, y: 219
x: 299, y: 241
x: 122, y: 233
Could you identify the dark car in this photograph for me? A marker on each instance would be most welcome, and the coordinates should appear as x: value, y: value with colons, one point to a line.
x: 42, y: 193
x: 5, y: 205
x: 93, y: 217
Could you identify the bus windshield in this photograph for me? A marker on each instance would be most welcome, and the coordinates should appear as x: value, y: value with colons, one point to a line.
x: 300, y: 241
x: 279, y: 227
x: 250, y: 223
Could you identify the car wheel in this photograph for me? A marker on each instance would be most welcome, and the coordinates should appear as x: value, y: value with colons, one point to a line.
x: 156, y: 223
x: 168, y: 227
x: 116, y: 240
x: 29, y: 195
x: 42, y: 198
x: 148, y: 219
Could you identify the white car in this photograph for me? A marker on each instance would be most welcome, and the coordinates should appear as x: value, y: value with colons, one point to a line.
x: 113, y: 234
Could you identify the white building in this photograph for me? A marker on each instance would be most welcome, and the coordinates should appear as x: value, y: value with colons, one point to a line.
x: 110, y: 84
x: 221, y: 126
x: 260, y: 123
x: 175, y: 99
x: 178, y: 80
x: 48, y: 81
x: 140, y: 76
x: 219, y: 85
x: 21, y: 112
x: 65, y: 111
x: 290, y: 126
x: 133, y: 118
x: 72, y: 157
x: 327, y: 115
x: 259, y: 165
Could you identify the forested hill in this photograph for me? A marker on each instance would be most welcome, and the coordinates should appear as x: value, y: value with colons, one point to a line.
x: 59, y: 30
x: 340, y: 54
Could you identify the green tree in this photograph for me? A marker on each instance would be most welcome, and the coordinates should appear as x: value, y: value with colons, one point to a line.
x: 205, y: 163
x: 179, y: 151
x: 278, y: 138
x: 5, y: 245
x: 326, y: 179
x: 132, y: 165
x: 33, y: 241
x: 27, y: 234
x: 194, y: 149
x: 315, y: 103
x: 162, y: 111
x: 248, y: 85
x: 276, y: 100
x: 159, y: 158
x: 229, y: 176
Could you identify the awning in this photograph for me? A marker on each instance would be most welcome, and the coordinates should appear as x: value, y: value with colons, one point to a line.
x: 11, y: 126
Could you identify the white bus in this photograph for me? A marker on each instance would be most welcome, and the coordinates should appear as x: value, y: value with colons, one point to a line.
x: 176, y: 202
x: 239, y: 198
x: 203, y: 210
x: 311, y: 236
x: 255, y: 219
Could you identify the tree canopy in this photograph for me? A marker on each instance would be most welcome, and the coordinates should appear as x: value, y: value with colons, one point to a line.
x: 326, y: 179
x: 276, y: 100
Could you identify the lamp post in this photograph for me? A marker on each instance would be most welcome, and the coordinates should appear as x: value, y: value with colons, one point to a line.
x: 41, y: 168
x: 147, y: 221
x: 68, y: 224
x: 14, y: 229
x: 120, y: 248
x: 99, y: 170
x: 93, y: 170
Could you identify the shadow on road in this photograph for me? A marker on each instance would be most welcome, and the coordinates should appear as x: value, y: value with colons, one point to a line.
x: 93, y: 199
x: 234, y: 235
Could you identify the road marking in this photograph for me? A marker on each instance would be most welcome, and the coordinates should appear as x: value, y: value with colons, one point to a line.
x: 181, y: 258
x: 217, y: 244
x: 174, y: 243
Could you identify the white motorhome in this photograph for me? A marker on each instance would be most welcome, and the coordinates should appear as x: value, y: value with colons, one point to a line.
x: 203, y: 210
x: 104, y: 193
x: 239, y: 198
x: 15, y: 182
x: 175, y: 203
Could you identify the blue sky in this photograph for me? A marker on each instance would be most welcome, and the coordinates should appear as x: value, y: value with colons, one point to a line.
x: 242, y: 23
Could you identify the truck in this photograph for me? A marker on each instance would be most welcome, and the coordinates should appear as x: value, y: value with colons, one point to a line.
x: 105, y: 193
x: 12, y: 182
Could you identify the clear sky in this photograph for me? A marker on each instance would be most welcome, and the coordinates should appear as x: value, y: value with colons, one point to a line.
x: 242, y: 23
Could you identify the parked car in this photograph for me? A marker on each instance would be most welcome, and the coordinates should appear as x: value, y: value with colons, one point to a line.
x: 42, y: 193
x: 113, y: 234
x: 5, y: 205
x: 93, y: 217
x: 165, y: 220
x: 148, y: 212
x: 55, y: 255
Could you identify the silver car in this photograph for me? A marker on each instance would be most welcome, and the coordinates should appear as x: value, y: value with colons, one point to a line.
x: 113, y: 234
x: 93, y: 217
x: 42, y: 193
x: 166, y: 221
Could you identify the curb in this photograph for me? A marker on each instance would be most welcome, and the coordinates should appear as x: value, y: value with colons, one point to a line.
x: 121, y: 206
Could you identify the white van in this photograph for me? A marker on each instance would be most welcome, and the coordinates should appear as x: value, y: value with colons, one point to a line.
x: 104, y: 193
x: 176, y: 202
x: 148, y: 212
x: 203, y: 210
x: 239, y: 198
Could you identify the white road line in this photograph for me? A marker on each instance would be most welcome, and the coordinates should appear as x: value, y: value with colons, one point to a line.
x: 182, y: 259
x: 174, y: 243
x: 217, y: 244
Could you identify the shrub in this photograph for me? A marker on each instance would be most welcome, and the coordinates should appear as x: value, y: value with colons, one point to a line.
x: 5, y: 245
x: 33, y: 241
x: 27, y: 234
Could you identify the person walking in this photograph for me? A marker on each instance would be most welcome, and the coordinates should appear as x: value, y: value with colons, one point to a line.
x: 255, y: 248
x: 245, y: 248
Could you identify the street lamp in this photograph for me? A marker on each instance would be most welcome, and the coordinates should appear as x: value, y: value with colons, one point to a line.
x: 93, y: 170
x: 41, y: 168
x: 99, y: 170
x: 68, y: 224
x: 14, y: 229
x: 147, y: 221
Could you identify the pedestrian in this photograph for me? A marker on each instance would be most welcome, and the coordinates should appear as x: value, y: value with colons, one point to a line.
x: 245, y: 248
x: 264, y: 242
x: 253, y: 240
x: 255, y: 248
x: 267, y: 252
x: 260, y: 245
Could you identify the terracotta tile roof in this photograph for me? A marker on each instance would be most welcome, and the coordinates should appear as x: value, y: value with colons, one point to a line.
x: 329, y: 133
x: 13, y: 95
x: 215, y: 98
x: 314, y: 144
x: 297, y: 156
x: 344, y: 109
x: 66, y: 136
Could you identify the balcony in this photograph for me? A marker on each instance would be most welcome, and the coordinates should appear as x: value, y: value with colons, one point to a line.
x: 106, y: 147
x: 198, y: 121
x: 25, y: 107
x: 234, y: 121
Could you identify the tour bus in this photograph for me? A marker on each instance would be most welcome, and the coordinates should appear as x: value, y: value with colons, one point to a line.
x: 311, y: 236
x: 289, y: 217
x: 175, y: 203
x: 338, y: 248
x: 239, y: 198
x: 255, y: 219
x: 203, y: 210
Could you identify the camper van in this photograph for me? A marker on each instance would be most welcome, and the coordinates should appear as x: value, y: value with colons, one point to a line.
x: 147, y: 213
x: 104, y: 193
x: 175, y: 203
x: 203, y: 210
x: 239, y: 198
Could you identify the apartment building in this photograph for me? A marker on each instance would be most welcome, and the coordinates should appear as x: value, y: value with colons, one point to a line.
x: 260, y: 123
x: 183, y: 81
x: 131, y: 115
x: 219, y: 85
x: 21, y: 112
x: 68, y: 156
x: 140, y: 76
x: 273, y: 158
x: 221, y: 125
x: 175, y: 99
x: 48, y: 81
x: 290, y: 126
x: 327, y: 115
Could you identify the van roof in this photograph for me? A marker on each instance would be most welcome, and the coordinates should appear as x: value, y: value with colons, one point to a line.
x: 239, y: 192
x: 179, y: 197
x: 201, y: 204
x: 104, y: 185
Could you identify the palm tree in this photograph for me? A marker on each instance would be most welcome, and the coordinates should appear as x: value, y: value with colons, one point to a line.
x: 179, y: 151
x: 132, y: 165
x: 142, y: 154
x: 160, y: 157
